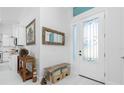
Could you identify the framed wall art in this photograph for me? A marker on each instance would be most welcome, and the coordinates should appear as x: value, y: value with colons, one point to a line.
x: 30, y: 33
x: 52, y: 37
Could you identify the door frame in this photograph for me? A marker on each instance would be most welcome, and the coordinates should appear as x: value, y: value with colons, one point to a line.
x: 79, y: 18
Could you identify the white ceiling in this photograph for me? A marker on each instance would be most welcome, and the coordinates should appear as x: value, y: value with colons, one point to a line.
x: 10, y: 15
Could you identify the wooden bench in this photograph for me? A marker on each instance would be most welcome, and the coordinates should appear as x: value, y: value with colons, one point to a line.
x: 57, y: 72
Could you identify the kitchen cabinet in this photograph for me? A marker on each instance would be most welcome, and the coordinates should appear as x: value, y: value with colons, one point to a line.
x: 19, y: 33
x: 7, y: 41
x: 6, y: 57
x: 21, y: 36
x: 0, y: 40
x: 11, y: 42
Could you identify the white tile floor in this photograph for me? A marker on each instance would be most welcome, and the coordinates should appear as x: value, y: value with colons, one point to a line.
x: 77, y: 80
x: 9, y: 77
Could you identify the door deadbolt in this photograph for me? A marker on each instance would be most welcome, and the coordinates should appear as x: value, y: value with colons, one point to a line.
x: 79, y: 50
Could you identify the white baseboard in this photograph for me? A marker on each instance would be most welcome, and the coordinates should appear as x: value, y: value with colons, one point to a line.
x: 112, y: 83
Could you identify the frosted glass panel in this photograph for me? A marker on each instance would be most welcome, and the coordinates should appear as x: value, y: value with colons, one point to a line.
x: 90, y: 40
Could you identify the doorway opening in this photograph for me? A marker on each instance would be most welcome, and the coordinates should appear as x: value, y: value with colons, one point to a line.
x: 88, y: 46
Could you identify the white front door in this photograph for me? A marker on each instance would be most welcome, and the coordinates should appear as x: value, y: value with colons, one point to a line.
x: 91, y: 47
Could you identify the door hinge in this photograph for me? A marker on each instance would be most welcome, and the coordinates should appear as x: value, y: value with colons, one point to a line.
x: 104, y: 74
x: 104, y: 35
x: 104, y: 54
x: 104, y: 15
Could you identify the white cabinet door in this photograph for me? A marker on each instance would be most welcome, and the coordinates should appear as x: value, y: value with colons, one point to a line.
x: 5, y: 40
x: 11, y: 42
x: 21, y: 35
x: 15, y: 31
x: 6, y: 57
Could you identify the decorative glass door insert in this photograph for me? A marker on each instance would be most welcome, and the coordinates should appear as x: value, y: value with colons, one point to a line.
x: 90, y: 40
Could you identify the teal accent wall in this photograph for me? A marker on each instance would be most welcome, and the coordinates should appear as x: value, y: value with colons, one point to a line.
x: 79, y: 10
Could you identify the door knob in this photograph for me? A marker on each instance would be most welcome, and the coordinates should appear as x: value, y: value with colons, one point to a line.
x: 80, y: 55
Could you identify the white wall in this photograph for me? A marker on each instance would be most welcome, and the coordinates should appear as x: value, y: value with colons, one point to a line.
x: 122, y: 41
x: 27, y: 16
x: 112, y: 46
x: 54, y: 18
x: 58, y: 19
x: 6, y: 29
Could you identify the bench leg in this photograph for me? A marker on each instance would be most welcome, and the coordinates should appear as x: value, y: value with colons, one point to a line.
x: 34, y: 73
